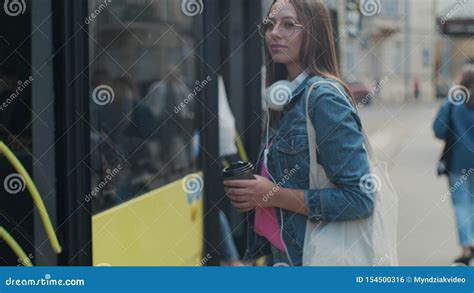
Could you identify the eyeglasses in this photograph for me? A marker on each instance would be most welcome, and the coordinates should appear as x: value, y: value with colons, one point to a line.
x: 287, y: 27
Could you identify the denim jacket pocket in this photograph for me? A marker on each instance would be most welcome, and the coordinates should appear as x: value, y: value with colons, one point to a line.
x: 291, y: 156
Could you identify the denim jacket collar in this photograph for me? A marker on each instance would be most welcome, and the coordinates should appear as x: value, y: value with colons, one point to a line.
x: 298, y: 91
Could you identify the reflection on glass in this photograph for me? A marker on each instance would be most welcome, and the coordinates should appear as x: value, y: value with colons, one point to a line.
x: 142, y: 70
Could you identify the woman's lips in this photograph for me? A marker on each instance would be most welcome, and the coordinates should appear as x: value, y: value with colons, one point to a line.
x: 277, y: 48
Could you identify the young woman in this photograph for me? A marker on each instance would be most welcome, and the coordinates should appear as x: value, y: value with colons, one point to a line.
x: 454, y: 121
x: 299, y: 47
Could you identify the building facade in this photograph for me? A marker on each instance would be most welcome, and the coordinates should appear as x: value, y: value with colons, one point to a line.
x: 389, y: 46
x: 455, y: 46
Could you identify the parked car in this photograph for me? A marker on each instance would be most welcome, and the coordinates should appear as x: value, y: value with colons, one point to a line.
x: 361, y: 93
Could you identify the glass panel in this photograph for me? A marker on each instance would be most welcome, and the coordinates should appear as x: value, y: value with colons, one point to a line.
x: 143, y: 111
x: 16, y: 121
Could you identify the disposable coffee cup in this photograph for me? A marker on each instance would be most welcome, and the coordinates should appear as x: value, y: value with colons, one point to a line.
x: 238, y: 171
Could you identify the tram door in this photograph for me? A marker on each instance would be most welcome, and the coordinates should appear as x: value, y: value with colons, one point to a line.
x: 110, y: 109
x: 146, y: 184
x: 98, y: 104
x: 154, y: 70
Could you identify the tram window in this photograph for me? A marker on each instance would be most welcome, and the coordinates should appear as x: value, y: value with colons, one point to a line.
x: 16, y: 129
x: 143, y: 122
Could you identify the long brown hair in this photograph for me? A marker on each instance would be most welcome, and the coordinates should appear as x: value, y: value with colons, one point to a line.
x: 318, y: 49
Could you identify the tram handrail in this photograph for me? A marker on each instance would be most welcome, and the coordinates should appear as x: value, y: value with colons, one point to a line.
x: 241, y: 148
x: 53, y: 239
x: 20, y: 253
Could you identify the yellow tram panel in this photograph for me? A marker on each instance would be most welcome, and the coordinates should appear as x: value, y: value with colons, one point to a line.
x: 161, y: 228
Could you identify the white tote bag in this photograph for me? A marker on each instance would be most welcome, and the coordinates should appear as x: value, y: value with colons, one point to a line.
x: 366, y: 242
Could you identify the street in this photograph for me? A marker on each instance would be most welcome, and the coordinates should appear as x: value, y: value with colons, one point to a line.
x: 401, y: 134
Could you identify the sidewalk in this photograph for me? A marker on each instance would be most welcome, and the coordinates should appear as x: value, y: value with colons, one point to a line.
x: 401, y: 134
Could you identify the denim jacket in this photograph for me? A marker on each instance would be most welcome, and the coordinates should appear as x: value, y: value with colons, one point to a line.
x: 457, y: 124
x: 340, y: 152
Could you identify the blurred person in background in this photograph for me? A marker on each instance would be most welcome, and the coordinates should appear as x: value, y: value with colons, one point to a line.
x: 416, y: 88
x: 455, y: 125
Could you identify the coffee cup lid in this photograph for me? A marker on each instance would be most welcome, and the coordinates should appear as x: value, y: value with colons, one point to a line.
x: 237, y: 168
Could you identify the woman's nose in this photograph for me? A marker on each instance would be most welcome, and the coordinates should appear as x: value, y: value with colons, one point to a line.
x: 275, y: 32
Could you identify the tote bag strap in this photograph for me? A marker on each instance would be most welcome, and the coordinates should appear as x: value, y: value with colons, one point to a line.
x: 312, y: 132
